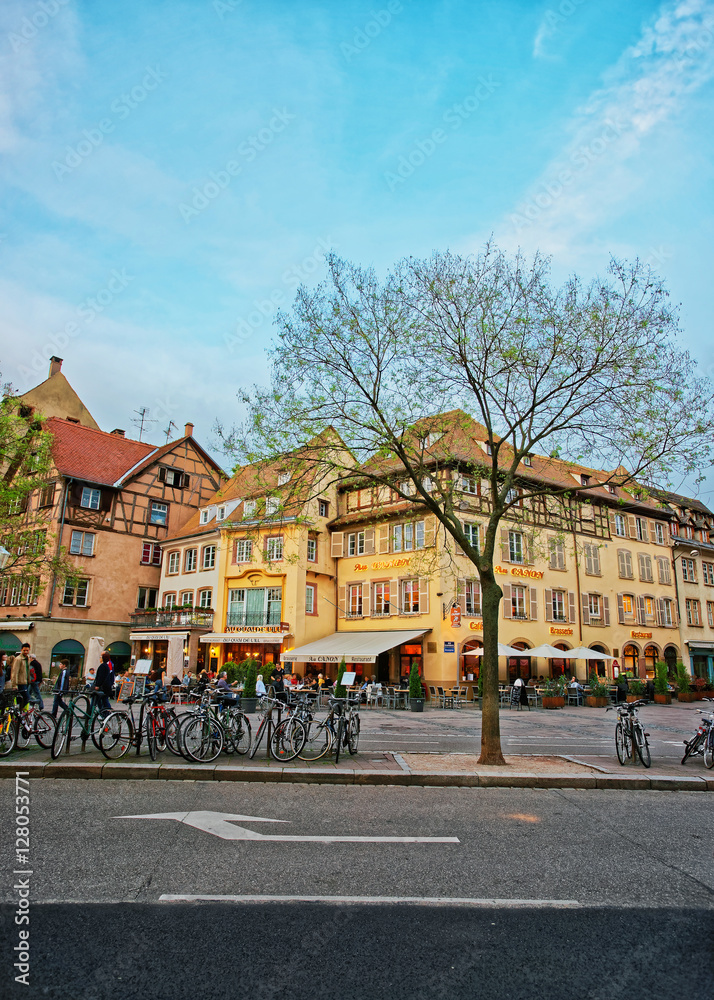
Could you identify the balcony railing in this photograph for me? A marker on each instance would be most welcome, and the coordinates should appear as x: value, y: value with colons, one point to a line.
x: 167, y: 619
x: 241, y: 619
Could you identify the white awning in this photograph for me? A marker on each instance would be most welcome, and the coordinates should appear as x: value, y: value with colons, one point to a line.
x: 16, y: 626
x: 354, y: 647
x: 243, y: 637
x: 156, y: 636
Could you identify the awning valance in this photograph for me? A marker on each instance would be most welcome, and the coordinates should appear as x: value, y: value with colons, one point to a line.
x: 156, y: 636
x: 353, y: 647
x: 16, y: 626
x: 256, y: 638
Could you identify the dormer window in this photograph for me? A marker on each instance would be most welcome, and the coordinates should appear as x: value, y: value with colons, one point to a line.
x: 487, y: 448
x: 283, y: 478
x: 430, y: 440
x: 221, y: 513
x: 527, y: 460
x: 249, y: 508
x: 271, y: 506
x: 611, y: 489
x: 204, y: 517
x: 584, y: 480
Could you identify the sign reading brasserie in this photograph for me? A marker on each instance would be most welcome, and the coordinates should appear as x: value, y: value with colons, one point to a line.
x: 560, y: 631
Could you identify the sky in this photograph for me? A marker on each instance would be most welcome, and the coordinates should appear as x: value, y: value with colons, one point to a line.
x: 171, y: 171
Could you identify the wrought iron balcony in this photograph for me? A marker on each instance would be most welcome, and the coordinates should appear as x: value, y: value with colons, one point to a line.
x: 242, y: 619
x: 169, y: 619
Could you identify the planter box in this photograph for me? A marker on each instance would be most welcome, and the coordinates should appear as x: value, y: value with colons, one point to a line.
x: 416, y: 704
x: 687, y: 696
x: 663, y: 699
x: 592, y: 702
x: 553, y: 701
x: 248, y: 705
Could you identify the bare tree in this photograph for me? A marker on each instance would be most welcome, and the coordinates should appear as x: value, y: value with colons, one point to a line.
x: 401, y: 369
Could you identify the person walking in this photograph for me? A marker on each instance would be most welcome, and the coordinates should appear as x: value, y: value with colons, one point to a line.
x: 35, y: 681
x: 61, y: 687
x: 104, y: 682
x: 3, y: 668
x: 20, y: 672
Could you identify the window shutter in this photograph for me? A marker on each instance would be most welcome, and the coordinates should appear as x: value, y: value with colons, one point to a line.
x: 507, y: 609
x: 645, y: 532
x: 613, y: 531
x: 528, y: 547
x: 641, y: 565
x: 585, y: 608
x: 631, y: 526
x: 606, y: 610
x: 342, y: 600
x: 429, y: 531
x: 596, y: 560
x: 620, y: 610
x: 481, y: 538
x: 621, y: 569
x: 337, y: 544
x: 457, y: 548
x: 553, y: 560
x: 369, y: 541
x: 549, y: 605
x: 394, y: 597
x: 461, y: 595
x: 652, y: 531
x: 383, y: 538
x: 589, y: 567
x: 534, y: 604
x: 675, y: 615
x: 162, y: 475
x: 365, y: 599
x: 641, y: 616
x: 571, y: 605
x: 105, y: 501
x: 423, y: 595
x: 185, y: 480
x: 505, y: 551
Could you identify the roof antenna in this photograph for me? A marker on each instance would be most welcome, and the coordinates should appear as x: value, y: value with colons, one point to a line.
x: 168, y: 430
x: 142, y: 419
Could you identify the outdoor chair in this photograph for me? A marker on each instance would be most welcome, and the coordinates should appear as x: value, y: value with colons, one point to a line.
x: 446, y: 698
x: 504, y: 695
x: 460, y: 698
x: 574, y: 696
x: 390, y: 699
x: 532, y: 697
x: 433, y: 696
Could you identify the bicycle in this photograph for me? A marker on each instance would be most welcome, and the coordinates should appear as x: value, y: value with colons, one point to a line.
x: 84, y: 710
x: 120, y: 730
x: 216, y: 725
x: 630, y: 732
x: 286, y: 738
x: 703, y: 740
x: 348, y: 725
x: 37, y: 723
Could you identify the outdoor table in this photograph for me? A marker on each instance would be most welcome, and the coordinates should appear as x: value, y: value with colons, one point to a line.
x: 401, y: 697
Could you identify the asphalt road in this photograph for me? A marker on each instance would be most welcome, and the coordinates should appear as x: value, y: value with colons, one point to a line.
x: 624, y: 880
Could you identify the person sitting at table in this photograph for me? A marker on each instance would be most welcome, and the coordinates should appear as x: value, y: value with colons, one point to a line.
x: 259, y: 687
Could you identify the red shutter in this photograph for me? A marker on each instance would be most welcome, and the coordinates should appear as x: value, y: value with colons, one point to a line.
x: 146, y: 552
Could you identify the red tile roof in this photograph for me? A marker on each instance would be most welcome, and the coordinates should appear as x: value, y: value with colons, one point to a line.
x: 95, y: 456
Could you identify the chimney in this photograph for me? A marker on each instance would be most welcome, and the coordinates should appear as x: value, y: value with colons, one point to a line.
x: 55, y: 366
x: 188, y: 430
x: 119, y: 433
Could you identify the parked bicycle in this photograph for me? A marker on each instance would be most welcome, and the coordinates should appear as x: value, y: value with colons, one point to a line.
x: 348, y: 725
x: 703, y: 740
x: 121, y: 729
x: 18, y: 726
x: 216, y: 725
x: 81, y: 720
x: 629, y: 733
x: 286, y: 737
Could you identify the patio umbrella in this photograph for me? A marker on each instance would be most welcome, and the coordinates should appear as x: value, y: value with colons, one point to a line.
x: 503, y: 650
x: 583, y: 653
x: 551, y: 651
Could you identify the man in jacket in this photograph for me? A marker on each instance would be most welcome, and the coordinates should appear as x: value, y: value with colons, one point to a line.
x: 20, y: 672
x: 104, y: 680
x: 35, y: 681
x: 61, y: 687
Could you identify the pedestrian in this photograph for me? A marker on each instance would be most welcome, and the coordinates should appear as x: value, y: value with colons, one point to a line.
x: 3, y: 668
x: 35, y: 681
x: 61, y: 687
x: 104, y: 682
x: 20, y: 672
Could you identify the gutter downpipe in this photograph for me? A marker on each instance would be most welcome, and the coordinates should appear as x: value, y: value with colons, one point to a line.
x: 59, y: 545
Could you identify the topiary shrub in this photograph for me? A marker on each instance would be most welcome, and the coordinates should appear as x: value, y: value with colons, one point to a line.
x: 415, y: 686
x: 232, y: 671
x: 340, y: 689
x: 251, y: 675
x: 682, y: 678
x: 661, y: 678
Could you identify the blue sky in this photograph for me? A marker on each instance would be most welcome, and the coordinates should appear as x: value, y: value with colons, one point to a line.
x: 171, y: 170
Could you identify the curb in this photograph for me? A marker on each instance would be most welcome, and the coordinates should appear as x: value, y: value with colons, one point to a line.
x: 329, y: 776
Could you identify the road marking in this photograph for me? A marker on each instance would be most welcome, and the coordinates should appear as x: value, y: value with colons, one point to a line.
x: 221, y: 825
x: 372, y: 900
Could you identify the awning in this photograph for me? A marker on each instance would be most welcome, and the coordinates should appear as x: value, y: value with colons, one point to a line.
x: 243, y: 637
x: 16, y: 626
x: 354, y: 647
x: 705, y: 647
x: 156, y: 636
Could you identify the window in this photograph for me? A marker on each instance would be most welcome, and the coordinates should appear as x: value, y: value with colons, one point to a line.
x: 469, y: 484
x: 649, y: 606
x: 380, y: 602
x: 204, y: 598
x: 76, y: 594
x: 283, y: 478
x: 663, y: 570
x: 558, y: 604
x: 667, y: 618
x: 272, y: 505
x: 689, y: 571
x: 518, y: 602
x: 249, y: 508
x: 410, y: 597
x: 47, y: 496
x: 624, y: 564
x: 190, y: 560
x: 90, y: 498
x: 688, y: 531
x: 428, y: 483
x: 204, y: 517
x: 557, y: 553
x: 407, y: 487
x: 512, y: 496
x: 173, y: 477
x: 472, y: 534
x: 274, y: 600
x: 628, y: 604
x: 208, y: 560
x: 312, y: 550
x: 611, y: 489
x: 584, y: 480
x: 644, y: 562
x: 515, y: 546
x: 592, y: 560
x: 487, y: 448
x: 693, y: 612
x: 221, y: 513
x: 594, y: 606
x: 323, y: 508
x: 158, y: 512
x: 355, y: 544
x: 150, y: 554
x: 174, y: 563
x: 310, y: 599
x: 641, y: 529
x: 146, y: 598
x: 354, y: 600
x: 274, y: 549
x: 82, y: 543
x: 708, y: 573
x: 243, y: 551
x: 620, y: 525
x: 169, y: 601
x: 710, y: 613
x: 659, y: 533
x: 406, y: 537
x: 186, y: 599
x: 472, y: 597
x: 527, y: 460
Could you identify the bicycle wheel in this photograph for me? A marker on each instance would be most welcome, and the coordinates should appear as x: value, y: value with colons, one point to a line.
x: 622, y: 754
x: 353, y: 735
x: 44, y: 729
x: 24, y: 732
x: 642, y: 746
x: 202, y: 740
x: 240, y: 732
x: 709, y: 749
x: 63, y: 734
x: 8, y: 733
x: 172, y: 734
x: 81, y: 704
x: 692, y: 746
x: 340, y: 738
x: 318, y: 743
x: 151, y: 728
x: 116, y: 735
x: 288, y: 739
x: 258, y: 737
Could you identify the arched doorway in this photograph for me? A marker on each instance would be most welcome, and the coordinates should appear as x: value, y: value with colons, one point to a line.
x: 651, y: 657
x: 519, y: 666
x: 69, y: 649
x: 119, y: 653
x: 671, y: 655
x: 9, y: 643
x: 598, y: 666
x: 631, y: 659
x: 470, y: 665
x: 560, y: 666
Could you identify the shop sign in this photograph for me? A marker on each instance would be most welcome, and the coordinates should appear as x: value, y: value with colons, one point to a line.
x: 531, y: 574
x: 640, y: 635
x: 383, y: 564
x: 449, y: 647
x: 456, y: 616
x: 560, y: 631
x: 476, y: 626
x: 260, y: 629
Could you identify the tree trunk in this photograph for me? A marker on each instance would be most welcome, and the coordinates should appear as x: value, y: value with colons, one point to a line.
x: 491, y: 595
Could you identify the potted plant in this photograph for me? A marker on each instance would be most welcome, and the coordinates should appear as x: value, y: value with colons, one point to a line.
x: 599, y: 696
x: 683, y: 693
x: 662, y: 695
x: 249, y: 700
x: 416, y: 691
x: 637, y: 689
x: 554, y: 692
x: 700, y: 686
x: 340, y: 689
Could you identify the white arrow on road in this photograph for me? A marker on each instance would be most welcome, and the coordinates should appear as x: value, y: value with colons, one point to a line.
x: 221, y: 825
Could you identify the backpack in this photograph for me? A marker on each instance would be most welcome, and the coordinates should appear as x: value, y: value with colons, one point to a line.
x: 33, y: 675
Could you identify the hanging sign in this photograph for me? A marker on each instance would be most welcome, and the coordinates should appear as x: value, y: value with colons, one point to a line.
x: 456, y: 616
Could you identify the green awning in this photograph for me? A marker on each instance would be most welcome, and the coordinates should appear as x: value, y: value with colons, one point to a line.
x: 9, y: 643
x: 119, y: 648
x: 68, y: 647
